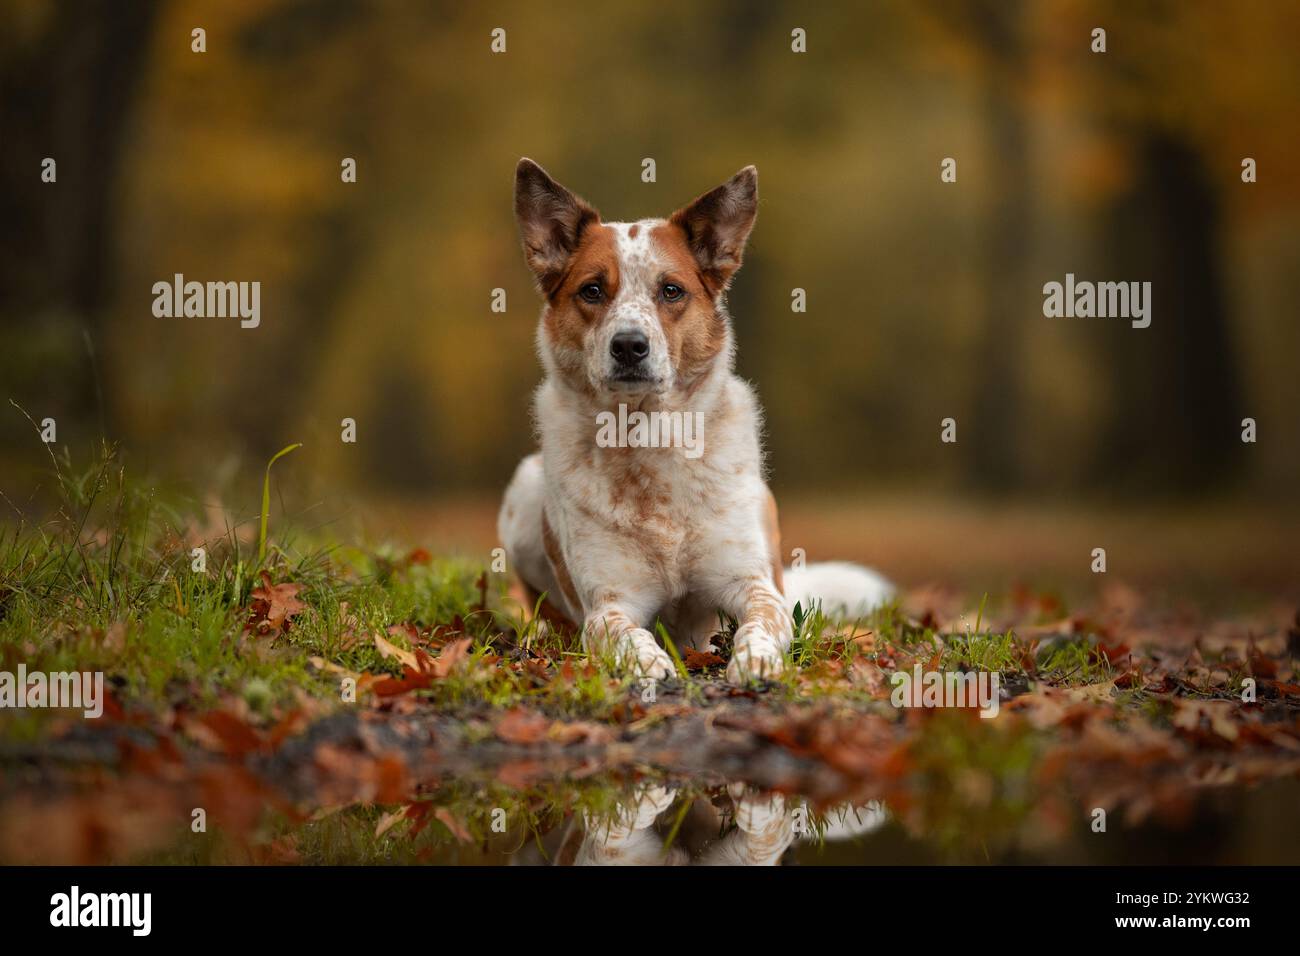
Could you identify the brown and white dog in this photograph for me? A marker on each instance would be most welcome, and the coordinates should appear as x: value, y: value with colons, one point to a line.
x: 617, y: 534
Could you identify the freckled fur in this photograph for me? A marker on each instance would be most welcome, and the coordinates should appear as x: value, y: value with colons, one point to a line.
x: 619, y: 536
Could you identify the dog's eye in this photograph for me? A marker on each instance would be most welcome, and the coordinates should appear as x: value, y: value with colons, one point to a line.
x: 591, y: 292
x: 672, y: 293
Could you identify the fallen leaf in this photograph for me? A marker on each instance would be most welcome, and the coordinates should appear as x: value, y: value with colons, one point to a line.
x: 387, y: 649
x: 448, y: 819
x: 699, y: 660
x: 579, y: 731
x: 274, y: 605
x: 234, y: 736
x: 452, y: 654
x: 521, y: 726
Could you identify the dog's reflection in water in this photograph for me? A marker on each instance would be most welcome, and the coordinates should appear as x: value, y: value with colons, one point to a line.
x: 755, y: 830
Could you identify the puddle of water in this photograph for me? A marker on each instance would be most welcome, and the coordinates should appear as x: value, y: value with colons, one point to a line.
x: 607, y: 823
x: 375, y: 791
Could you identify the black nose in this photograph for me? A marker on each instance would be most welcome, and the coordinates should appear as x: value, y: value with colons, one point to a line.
x: 629, y: 348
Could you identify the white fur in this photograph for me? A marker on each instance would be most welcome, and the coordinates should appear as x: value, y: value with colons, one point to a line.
x: 702, y: 547
x: 765, y: 828
x: 844, y: 590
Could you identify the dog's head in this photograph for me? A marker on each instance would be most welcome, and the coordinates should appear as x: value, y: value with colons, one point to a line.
x: 632, y: 309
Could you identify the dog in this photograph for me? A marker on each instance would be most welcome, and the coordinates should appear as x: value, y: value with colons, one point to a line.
x: 617, y: 534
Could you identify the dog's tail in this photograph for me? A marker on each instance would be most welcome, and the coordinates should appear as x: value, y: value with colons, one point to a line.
x: 846, y: 822
x: 845, y: 590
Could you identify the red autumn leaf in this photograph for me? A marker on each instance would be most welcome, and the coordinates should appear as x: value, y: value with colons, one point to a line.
x: 419, y: 813
x: 699, y: 660
x: 235, y: 736
x: 409, y: 681
x: 148, y: 761
x: 427, y: 669
x: 569, y: 673
x: 391, y: 780
x: 1164, y: 684
x: 1028, y: 654
x: 1261, y: 666
x: 453, y: 654
x: 112, y: 708
x: 290, y: 724
x: 1130, y: 678
x: 1282, y: 687
x: 521, y: 774
x: 1114, y: 652
x: 406, y: 629
x: 274, y: 605
x: 537, y: 667
x: 579, y: 731
x: 520, y: 726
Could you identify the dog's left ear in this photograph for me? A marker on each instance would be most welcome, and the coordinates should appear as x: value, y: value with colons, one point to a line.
x: 717, y: 225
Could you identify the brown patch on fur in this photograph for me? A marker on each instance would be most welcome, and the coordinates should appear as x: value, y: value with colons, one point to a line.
x: 773, y: 529
x: 634, y: 231
x: 642, y: 509
x: 632, y: 478
x: 695, y: 329
x: 595, y: 259
x: 762, y: 609
x: 604, y: 628
x: 567, y: 316
x: 551, y: 545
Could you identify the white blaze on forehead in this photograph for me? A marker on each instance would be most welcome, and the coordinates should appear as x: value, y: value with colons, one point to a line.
x: 639, y: 266
x: 639, y: 262
x: 635, y: 305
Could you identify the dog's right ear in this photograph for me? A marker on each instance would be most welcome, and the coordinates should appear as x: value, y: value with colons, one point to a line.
x: 551, y: 221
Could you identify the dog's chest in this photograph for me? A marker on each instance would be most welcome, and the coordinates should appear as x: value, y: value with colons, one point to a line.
x: 653, y: 493
x: 655, y: 501
x: 660, y: 506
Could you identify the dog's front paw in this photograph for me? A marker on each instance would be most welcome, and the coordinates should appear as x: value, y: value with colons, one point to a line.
x: 756, y: 654
x: 646, y: 658
x: 763, y: 818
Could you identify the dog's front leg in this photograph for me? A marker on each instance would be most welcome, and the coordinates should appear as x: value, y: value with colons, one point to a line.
x: 612, y: 629
x: 627, y: 838
x: 765, y: 631
x: 764, y: 831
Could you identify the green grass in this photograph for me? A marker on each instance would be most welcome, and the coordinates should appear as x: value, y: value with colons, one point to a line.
x: 105, y: 581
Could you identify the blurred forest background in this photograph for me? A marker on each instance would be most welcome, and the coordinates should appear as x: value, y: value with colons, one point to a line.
x: 924, y: 298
